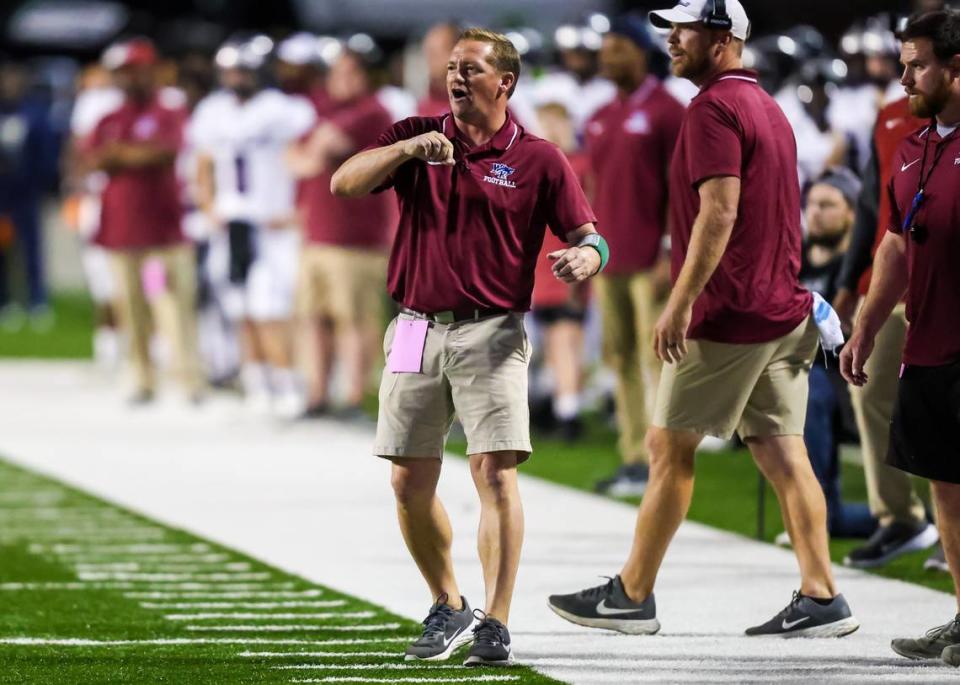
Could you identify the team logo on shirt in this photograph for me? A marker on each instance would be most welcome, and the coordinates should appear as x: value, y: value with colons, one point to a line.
x: 956, y: 162
x: 500, y: 175
x: 145, y: 127
x: 637, y: 123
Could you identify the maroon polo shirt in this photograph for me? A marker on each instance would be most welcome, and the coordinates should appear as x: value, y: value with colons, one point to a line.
x: 140, y: 207
x: 933, y: 296
x: 469, y: 235
x: 630, y: 142
x: 366, y: 222
x: 733, y: 128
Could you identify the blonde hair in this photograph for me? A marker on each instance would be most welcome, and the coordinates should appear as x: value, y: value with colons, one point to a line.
x: 504, y: 56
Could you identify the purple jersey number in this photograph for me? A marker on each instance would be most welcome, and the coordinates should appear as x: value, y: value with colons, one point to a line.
x: 240, y: 168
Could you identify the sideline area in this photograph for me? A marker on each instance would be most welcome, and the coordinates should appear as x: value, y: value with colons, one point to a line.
x: 308, y: 498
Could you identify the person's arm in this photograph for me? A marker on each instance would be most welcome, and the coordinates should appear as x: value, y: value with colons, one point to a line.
x: 367, y: 170
x: 577, y: 263
x: 206, y: 188
x: 719, y: 202
x: 858, y: 256
x: 313, y: 156
x: 887, y: 287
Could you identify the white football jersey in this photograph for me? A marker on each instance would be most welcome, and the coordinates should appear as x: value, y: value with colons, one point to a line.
x: 248, y: 141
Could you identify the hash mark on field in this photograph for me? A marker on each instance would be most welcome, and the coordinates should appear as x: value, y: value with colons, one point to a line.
x: 173, y: 577
x: 319, y: 655
x: 291, y: 628
x: 263, y: 594
x: 464, y: 679
x: 85, y: 642
x: 272, y: 617
x: 311, y: 604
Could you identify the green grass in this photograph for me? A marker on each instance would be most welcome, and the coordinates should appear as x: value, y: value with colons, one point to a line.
x: 47, y: 530
x: 70, y: 337
x: 725, y: 494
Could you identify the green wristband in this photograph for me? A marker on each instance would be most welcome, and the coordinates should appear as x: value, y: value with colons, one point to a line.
x: 598, y: 243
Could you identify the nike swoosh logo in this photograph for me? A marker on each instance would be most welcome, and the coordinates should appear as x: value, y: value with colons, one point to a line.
x: 788, y: 625
x: 604, y: 610
x: 904, y: 167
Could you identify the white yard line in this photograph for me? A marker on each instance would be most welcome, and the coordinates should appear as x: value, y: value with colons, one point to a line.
x: 292, y: 628
x: 173, y: 577
x: 309, y: 499
x: 363, y: 667
x: 318, y: 655
x: 279, y: 594
x: 137, y: 548
x: 85, y: 642
x: 242, y: 588
x: 160, y: 566
x: 240, y: 616
x: 308, y: 604
x: 459, y: 679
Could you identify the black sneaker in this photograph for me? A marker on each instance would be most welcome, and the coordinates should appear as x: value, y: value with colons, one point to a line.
x: 630, y: 480
x: 491, y: 643
x: 951, y: 655
x: 937, y: 561
x: 444, y: 630
x: 607, y: 606
x: 805, y: 617
x: 890, y: 542
x: 932, y: 645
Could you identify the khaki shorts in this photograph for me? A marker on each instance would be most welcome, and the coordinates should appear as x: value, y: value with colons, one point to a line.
x: 474, y: 369
x: 756, y: 390
x: 345, y: 285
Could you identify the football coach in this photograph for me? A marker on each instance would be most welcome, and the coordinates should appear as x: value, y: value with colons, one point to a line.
x: 476, y: 192
x: 736, y: 334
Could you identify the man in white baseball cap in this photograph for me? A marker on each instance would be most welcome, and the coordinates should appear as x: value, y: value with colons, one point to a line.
x: 715, y: 14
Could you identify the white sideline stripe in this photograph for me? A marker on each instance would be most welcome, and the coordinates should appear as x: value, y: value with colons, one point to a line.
x: 52, y: 585
x: 291, y: 628
x: 263, y: 594
x: 464, y: 679
x: 85, y: 642
x: 163, y: 577
x: 134, y: 548
x: 271, y: 617
x: 319, y: 655
x: 166, y: 567
x: 294, y: 604
x: 145, y: 559
x: 360, y: 667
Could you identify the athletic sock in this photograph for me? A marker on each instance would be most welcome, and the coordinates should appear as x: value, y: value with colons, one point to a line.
x: 284, y: 381
x: 566, y: 407
x: 254, y: 379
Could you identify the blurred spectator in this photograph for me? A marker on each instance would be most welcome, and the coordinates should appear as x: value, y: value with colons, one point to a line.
x: 559, y: 309
x: 343, y: 266
x: 630, y: 143
x: 137, y: 145
x: 829, y: 219
x: 27, y: 166
x: 241, y: 134
x: 437, y: 45
x: 893, y: 500
x: 298, y: 67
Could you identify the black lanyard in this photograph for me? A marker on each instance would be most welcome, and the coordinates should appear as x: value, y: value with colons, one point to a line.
x: 918, y: 233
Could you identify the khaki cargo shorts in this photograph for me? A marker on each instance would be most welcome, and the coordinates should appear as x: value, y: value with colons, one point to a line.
x: 756, y: 390
x: 345, y: 285
x: 474, y: 369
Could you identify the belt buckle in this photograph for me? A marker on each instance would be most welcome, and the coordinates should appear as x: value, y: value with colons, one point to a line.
x: 445, y: 317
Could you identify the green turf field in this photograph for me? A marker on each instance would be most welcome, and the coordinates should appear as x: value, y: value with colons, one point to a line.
x: 68, y: 338
x: 93, y: 593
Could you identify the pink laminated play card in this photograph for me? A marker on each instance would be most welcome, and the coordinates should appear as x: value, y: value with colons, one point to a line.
x: 406, y: 353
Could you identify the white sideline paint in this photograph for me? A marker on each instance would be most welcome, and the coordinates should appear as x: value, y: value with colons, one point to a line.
x: 145, y: 559
x: 363, y: 667
x: 84, y: 642
x: 308, y: 604
x: 268, y: 617
x: 308, y: 499
x: 93, y: 585
x: 160, y: 566
x: 279, y: 594
x: 465, y: 679
x: 145, y: 548
x: 292, y: 628
x: 174, y: 577
x: 318, y: 655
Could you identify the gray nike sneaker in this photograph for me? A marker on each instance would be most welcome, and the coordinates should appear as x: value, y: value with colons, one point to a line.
x: 491, y: 643
x: 445, y: 629
x: 607, y: 606
x: 951, y: 655
x: 804, y: 617
x: 933, y: 645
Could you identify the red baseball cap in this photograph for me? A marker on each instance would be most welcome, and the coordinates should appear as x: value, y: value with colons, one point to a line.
x: 136, y: 52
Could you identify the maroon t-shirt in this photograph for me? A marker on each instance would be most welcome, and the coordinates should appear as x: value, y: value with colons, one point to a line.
x: 469, y: 235
x: 366, y: 222
x: 933, y: 296
x: 733, y: 128
x: 630, y: 142
x: 141, y: 207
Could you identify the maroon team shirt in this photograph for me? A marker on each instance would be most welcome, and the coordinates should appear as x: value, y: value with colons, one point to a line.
x: 630, y: 142
x: 469, y: 235
x: 733, y: 128
x: 140, y: 207
x: 933, y: 295
x: 366, y: 222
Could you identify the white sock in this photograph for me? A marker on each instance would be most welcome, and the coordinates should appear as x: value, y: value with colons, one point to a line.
x: 284, y: 381
x: 254, y: 379
x: 566, y: 407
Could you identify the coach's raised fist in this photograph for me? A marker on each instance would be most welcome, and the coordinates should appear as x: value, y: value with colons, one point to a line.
x: 432, y: 146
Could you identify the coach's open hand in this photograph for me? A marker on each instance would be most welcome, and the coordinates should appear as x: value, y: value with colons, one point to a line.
x: 575, y: 264
x: 670, y: 333
x: 853, y: 356
x: 432, y: 146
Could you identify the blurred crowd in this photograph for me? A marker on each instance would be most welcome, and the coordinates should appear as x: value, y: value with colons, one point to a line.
x: 198, y: 186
